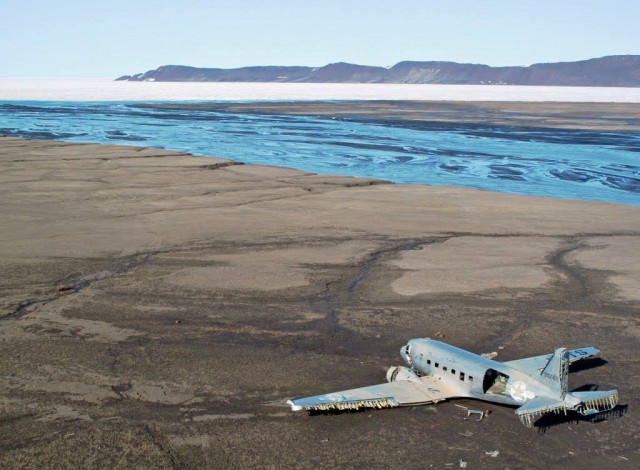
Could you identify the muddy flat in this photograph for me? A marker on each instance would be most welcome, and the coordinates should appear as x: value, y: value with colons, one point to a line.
x: 619, y: 117
x: 157, y: 309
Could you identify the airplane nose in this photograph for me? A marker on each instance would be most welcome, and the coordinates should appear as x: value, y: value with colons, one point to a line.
x: 405, y: 353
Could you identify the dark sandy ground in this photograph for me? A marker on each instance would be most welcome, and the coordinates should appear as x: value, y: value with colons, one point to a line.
x: 158, y: 308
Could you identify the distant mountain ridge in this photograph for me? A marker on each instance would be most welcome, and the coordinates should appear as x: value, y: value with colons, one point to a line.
x: 615, y: 71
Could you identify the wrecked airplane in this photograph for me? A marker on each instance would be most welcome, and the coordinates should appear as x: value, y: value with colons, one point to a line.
x: 438, y: 371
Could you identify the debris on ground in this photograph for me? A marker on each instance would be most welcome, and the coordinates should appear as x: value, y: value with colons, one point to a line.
x: 475, y: 412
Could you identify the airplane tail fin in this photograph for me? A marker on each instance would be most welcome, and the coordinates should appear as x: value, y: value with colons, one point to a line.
x: 555, y: 374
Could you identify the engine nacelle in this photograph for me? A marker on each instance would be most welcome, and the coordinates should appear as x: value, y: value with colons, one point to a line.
x: 402, y: 374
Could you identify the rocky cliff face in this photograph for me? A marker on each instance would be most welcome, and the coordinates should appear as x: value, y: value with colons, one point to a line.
x: 622, y: 70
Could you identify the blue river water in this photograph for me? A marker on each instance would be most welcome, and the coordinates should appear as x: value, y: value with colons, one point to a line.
x: 599, y: 166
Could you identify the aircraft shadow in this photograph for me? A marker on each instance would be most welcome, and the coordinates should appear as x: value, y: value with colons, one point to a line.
x: 550, y: 420
x: 586, y: 364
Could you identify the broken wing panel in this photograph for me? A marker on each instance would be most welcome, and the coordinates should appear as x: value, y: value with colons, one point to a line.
x: 535, y: 408
x: 385, y: 395
x: 596, y: 401
x: 531, y: 365
x: 585, y: 403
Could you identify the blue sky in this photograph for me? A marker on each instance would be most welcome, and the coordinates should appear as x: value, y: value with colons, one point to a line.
x: 98, y: 38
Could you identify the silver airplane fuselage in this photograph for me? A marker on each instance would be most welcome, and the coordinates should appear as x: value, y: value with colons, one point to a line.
x: 470, y: 375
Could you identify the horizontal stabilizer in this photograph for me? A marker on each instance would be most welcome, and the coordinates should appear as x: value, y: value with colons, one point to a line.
x: 537, y: 407
x: 582, y: 353
x: 595, y: 402
x: 585, y: 403
x: 387, y: 395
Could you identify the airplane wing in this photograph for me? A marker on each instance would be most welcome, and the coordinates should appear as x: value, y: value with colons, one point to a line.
x: 531, y: 365
x: 401, y: 393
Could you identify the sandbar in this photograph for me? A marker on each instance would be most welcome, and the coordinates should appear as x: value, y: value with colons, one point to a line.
x: 158, y: 308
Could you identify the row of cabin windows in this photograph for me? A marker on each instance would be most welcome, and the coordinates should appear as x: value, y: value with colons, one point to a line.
x: 453, y: 371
